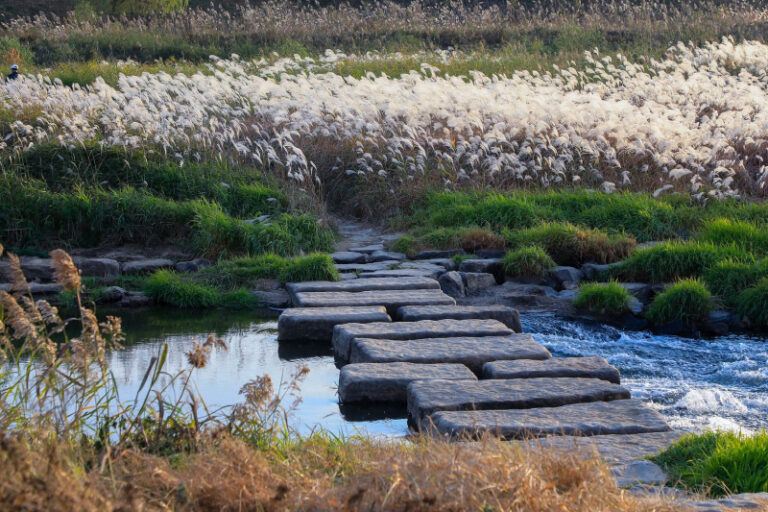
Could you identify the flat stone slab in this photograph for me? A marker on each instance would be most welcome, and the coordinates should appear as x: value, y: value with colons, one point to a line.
x: 583, y: 419
x: 594, y: 367
x: 316, y: 324
x: 388, y: 382
x: 366, y: 267
x: 410, y: 283
x: 344, y: 334
x: 425, y: 398
x: 470, y: 351
x: 146, y: 266
x: 386, y: 256
x: 390, y: 299
x: 368, y: 249
x: 348, y: 257
x: 428, y: 255
x: 504, y: 314
x: 612, y: 447
x: 633, y: 472
x: 403, y: 272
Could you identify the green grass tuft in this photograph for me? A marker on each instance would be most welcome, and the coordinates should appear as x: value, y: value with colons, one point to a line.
x: 603, y: 298
x: 687, y: 300
x: 529, y: 261
x: 168, y: 287
x: 728, y: 278
x: 753, y: 303
x: 745, y: 235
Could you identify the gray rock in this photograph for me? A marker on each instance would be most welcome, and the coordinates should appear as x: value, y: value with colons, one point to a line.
x: 422, y: 265
x: 586, y: 419
x: 391, y: 299
x: 569, y: 295
x: 476, y: 281
x: 490, y: 253
x: 470, y: 351
x: 594, y: 367
x: 486, y: 266
x: 37, y: 288
x: 317, y: 324
x: 446, y: 263
x: 192, y: 265
x: 135, y: 300
x: 641, y: 291
x: 426, y: 398
x: 452, y: 284
x: 718, y: 323
x: 386, y: 256
x: 272, y: 298
x: 348, y: 257
x: 613, y: 447
x: 428, y: 255
x: 388, y: 382
x: 344, y: 334
x: 146, y: 266
x: 366, y: 267
x: 635, y: 306
x: 402, y: 272
x: 524, y: 297
x: 97, y: 267
x: 734, y: 502
x: 368, y: 249
x: 347, y: 277
x: 565, y: 277
x: 111, y: 294
x: 596, y: 272
x: 35, y: 269
x: 415, y: 283
x: 634, y: 472
x: 504, y: 314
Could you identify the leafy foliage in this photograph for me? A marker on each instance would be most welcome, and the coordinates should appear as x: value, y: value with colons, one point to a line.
x: 687, y: 300
x: 603, y: 298
x: 529, y: 261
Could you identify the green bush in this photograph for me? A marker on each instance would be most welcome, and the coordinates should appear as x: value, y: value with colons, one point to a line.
x: 675, y: 260
x: 315, y: 267
x: 718, y: 463
x: 442, y: 238
x: 494, y: 210
x: 474, y: 239
x: 748, y: 236
x: 529, y: 261
x: 728, y: 278
x: 405, y: 244
x: 753, y: 303
x: 603, y: 298
x: 687, y: 300
x: 168, y: 287
x: 570, y: 245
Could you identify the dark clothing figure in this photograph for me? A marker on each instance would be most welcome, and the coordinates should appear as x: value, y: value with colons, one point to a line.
x: 14, y: 75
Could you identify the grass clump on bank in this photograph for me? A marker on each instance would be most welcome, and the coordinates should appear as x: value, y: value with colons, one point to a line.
x: 527, y: 262
x: 753, y: 303
x: 728, y: 278
x: 718, y: 463
x: 603, y: 298
x: 687, y: 300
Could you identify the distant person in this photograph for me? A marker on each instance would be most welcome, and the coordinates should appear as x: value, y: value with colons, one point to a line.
x: 14, y: 72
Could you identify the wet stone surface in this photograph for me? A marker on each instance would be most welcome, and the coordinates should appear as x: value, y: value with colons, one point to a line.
x: 595, y: 367
x: 317, y: 323
x: 504, y: 314
x: 391, y: 299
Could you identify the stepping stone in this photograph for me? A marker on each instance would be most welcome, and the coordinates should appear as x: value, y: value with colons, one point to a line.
x: 612, y: 447
x: 425, y: 265
x: 594, y: 367
x: 317, y: 323
x: 583, y: 419
x: 470, y: 351
x: 446, y: 263
x: 368, y: 249
x: 425, y: 398
x: 504, y: 314
x: 428, y: 255
x: 391, y: 299
x: 386, y: 256
x: 403, y: 272
x: 348, y: 257
x: 368, y: 382
x: 411, y: 283
x: 344, y: 334
x: 366, y: 267
x: 488, y: 266
x: 146, y: 266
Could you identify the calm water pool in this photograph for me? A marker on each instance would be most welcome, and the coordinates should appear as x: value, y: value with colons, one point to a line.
x: 696, y: 384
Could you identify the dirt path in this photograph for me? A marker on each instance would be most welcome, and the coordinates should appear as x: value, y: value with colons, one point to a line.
x: 354, y: 233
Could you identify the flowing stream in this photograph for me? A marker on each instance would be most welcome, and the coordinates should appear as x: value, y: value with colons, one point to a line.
x: 719, y: 383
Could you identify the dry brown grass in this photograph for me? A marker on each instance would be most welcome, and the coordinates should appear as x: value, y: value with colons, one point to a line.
x: 474, y: 239
x: 316, y: 474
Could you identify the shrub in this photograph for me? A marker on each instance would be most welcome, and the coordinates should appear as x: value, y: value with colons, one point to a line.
x: 675, y: 260
x: 529, y: 261
x: 442, y: 238
x: 168, y: 287
x: 741, y: 234
x: 246, y: 272
x: 687, y: 300
x: 474, y: 239
x: 718, y: 463
x: 753, y: 303
x: 570, y: 245
x: 603, y: 298
x: 405, y: 244
x: 315, y: 267
x: 494, y: 210
x: 728, y: 278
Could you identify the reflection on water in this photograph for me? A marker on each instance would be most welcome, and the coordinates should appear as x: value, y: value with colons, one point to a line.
x: 696, y: 384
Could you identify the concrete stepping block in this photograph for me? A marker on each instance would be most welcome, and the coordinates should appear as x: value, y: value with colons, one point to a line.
x: 594, y: 367
x: 390, y: 299
x: 504, y: 314
x: 368, y: 249
x: 344, y: 334
x: 316, y: 324
x: 411, y: 283
x: 403, y: 272
x: 366, y: 267
x: 611, y: 447
x: 386, y: 256
x: 470, y: 351
x: 582, y: 419
x: 388, y: 382
x: 346, y: 257
x: 426, y: 398
x: 430, y: 255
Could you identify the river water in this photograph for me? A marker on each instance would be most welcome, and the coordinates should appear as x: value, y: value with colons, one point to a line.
x: 719, y: 383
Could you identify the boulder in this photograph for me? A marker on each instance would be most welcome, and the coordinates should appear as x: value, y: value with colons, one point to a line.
x: 597, y: 272
x: 446, y: 263
x: 635, y: 306
x: 504, y: 314
x: 316, y: 324
x: 641, y: 291
x: 565, y: 277
x: 386, y: 256
x: 428, y: 255
x: 452, y: 284
x: 110, y: 295
x: 272, y: 298
x: 135, y: 300
x: 583, y: 419
x: 388, y: 382
x: 633, y: 472
x: 97, y: 267
x: 490, y: 253
x: 486, y: 266
x: 718, y: 323
x: 192, y: 265
x: 348, y: 257
x: 146, y: 266
x: 593, y: 367
x: 476, y: 281
x: 37, y: 289
x: 35, y: 269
